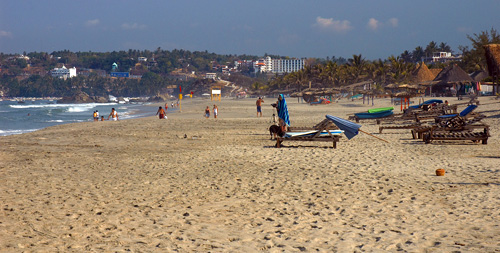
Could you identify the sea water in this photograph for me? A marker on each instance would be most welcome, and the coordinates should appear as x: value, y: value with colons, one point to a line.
x: 18, y: 118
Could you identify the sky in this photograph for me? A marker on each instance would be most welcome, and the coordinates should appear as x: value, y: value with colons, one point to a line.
x: 376, y: 29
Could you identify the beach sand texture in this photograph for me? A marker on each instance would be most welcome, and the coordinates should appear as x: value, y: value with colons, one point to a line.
x: 139, y: 185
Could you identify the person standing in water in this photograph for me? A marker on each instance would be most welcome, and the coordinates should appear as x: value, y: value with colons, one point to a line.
x: 113, y: 115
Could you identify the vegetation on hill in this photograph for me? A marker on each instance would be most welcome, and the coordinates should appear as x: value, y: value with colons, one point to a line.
x: 162, y: 69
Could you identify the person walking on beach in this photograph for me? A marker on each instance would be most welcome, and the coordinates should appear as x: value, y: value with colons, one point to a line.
x: 259, y: 106
x: 207, y: 112
x: 113, y: 115
x: 160, y: 113
x: 216, y: 111
x: 95, y: 116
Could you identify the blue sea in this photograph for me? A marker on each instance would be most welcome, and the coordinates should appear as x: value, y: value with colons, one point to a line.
x: 18, y: 118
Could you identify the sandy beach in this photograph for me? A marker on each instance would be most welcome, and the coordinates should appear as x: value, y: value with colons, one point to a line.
x: 191, y: 184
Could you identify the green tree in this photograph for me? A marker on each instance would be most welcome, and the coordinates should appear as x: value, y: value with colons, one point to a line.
x: 475, y: 58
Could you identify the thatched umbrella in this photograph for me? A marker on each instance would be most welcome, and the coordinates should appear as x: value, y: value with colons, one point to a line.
x: 422, y: 74
x: 492, y: 52
x: 311, y: 93
x: 435, y: 72
x: 392, y: 86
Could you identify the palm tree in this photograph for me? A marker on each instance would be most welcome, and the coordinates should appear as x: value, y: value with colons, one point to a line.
x: 381, y: 70
x: 358, y: 65
x: 330, y: 73
x: 418, y: 54
x: 400, y: 69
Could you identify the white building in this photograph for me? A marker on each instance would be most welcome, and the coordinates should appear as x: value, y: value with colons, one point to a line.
x: 278, y: 65
x: 287, y: 65
x: 210, y: 75
x: 444, y: 57
x: 63, y: 72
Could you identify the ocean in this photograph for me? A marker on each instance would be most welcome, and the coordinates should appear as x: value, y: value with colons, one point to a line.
x: 18, y: 118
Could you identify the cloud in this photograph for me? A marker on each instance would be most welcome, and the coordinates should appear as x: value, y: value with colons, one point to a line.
x: 134, y: 26
x: 333, y: 25
x: 92, y: 22
x: 394, y: 22
x: 5, y: 34
x: 373, y: 24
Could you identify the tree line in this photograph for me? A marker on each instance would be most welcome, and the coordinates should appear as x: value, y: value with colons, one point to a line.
x: 394, y: 69
x: 156, y: 76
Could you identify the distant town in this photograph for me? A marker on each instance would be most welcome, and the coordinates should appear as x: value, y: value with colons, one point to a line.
x: 153, y: 73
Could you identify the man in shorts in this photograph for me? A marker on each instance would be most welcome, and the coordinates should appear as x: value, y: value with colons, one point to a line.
x: 259, y: 106
x: 113, y: 115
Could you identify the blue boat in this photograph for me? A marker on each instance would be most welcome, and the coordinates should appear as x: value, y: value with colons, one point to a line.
x: 428, y: 102
x: 375, y: 115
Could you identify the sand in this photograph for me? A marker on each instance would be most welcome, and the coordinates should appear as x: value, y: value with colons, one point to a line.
x: 140, y: 185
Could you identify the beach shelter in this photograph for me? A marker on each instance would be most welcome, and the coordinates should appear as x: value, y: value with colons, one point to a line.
x: 422, y: 74
x: 452, y: 76
x: 350, y: 128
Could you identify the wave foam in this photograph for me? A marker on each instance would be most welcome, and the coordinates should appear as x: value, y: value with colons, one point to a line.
x: 88, y: 105
x: 12, y: 132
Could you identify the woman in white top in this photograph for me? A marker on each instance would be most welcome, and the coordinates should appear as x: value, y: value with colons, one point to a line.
x: 216, y: 110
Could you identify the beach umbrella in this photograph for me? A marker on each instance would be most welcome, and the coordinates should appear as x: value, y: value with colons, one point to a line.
x: 350, y: 128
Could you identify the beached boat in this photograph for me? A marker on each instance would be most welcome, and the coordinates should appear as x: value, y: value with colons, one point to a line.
x: 428, y: 102
x: 374, y: 115
x: 383, y: 109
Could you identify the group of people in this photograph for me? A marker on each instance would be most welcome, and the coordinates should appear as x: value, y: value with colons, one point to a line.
x: 113, y: 115
x: 281, y: 107
x: 215, y: 110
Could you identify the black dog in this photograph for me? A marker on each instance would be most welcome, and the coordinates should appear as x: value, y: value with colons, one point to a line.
x: 275, y: 130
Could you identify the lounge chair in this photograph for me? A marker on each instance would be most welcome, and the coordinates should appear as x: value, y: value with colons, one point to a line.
x: 455, y: 120
x: 324, y: 131
x: 432, y: 135
x: 456, y: 127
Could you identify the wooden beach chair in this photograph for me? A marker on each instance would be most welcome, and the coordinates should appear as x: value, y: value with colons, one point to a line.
x: 433, y: 135
x: 324, y: 124
x: 323, y: 131
x: 456, y: 126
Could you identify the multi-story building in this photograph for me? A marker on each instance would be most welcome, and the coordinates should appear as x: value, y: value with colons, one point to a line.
x: 286, y: 65
x: 63, y: 72
x: 279, y: 66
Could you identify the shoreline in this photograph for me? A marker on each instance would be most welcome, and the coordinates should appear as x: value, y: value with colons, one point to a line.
x: 134, y: 110
x: 194, y: 184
